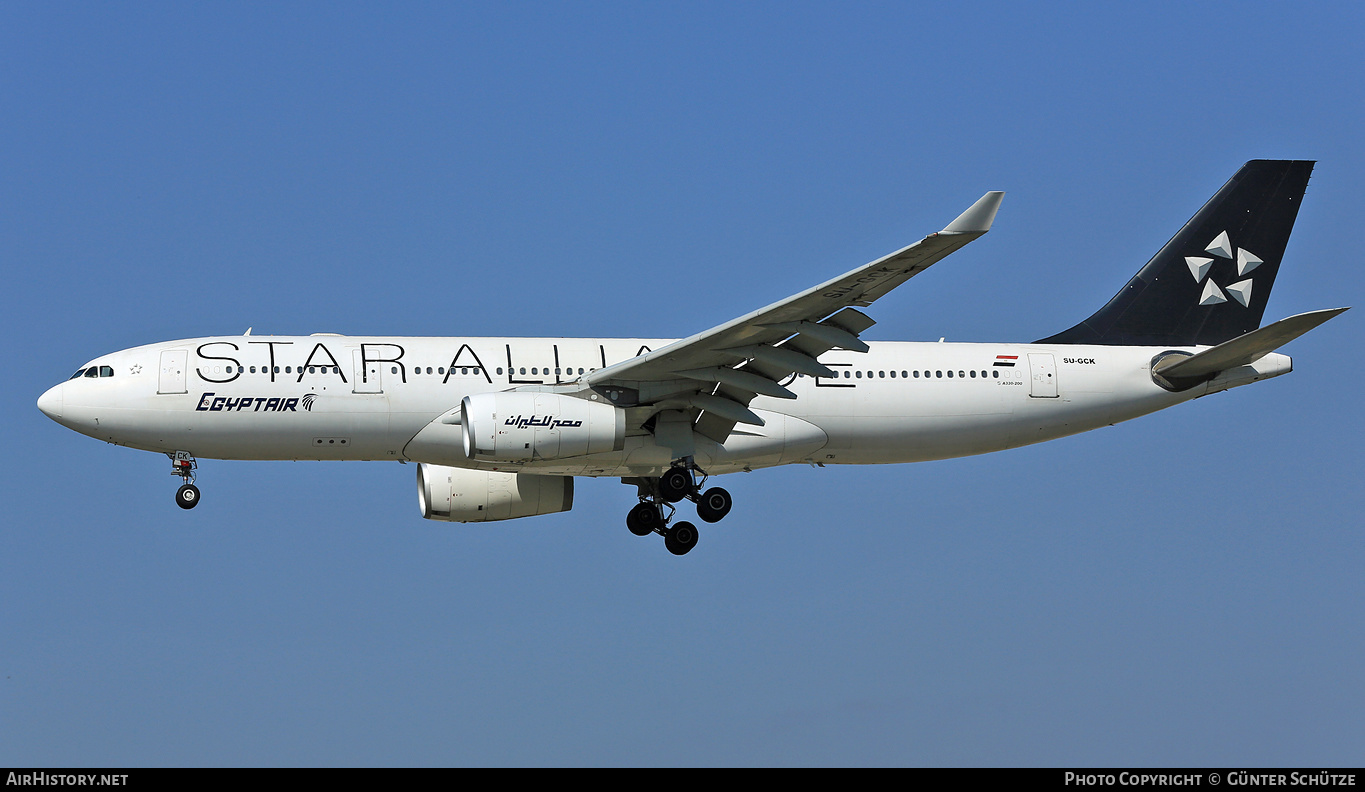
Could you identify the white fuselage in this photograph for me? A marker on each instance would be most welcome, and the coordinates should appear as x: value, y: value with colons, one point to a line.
x: 370, y: 398
x: 392, y: 398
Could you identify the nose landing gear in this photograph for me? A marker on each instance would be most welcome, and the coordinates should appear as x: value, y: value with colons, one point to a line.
x: 183, y: 464
x: 655, y: 510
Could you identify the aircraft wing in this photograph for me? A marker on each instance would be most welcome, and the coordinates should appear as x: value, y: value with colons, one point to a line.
x: 716, y: 373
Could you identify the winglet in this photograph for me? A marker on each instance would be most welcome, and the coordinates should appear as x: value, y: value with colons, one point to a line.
x: 978, y: 218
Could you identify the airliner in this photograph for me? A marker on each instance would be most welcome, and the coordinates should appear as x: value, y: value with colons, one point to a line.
x: 500, y: 427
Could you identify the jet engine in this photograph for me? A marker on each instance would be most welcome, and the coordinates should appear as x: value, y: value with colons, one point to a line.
x: 461, y: 495
x: 520, y: 426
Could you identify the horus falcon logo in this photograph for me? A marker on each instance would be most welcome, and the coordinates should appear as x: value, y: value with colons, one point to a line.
x: 308, y: 401
x: 1240, y: 291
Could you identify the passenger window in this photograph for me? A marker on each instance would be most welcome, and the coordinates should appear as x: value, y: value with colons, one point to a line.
x: 288, y: 370
x: 939, y: 374
x: 881, y: 374
x: 277, y: 369
x: 393, y: 369
x: 960, y: 373
x: 106, y: 371
x: 858, y: 374
x: 996, y: 373
x: 847, y: 375
x: 523, y: 370
x: 973, y: 373
x: 499, y: 370
x: 916, y: 373
x: 893, y: 375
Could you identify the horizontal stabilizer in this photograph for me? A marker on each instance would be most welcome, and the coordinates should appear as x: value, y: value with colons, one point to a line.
x: 1243, y: 349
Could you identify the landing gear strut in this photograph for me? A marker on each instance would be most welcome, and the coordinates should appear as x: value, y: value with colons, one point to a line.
x: 183, y: 464
x: 655, y: 510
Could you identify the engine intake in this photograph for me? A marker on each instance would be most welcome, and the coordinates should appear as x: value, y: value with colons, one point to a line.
x: 461, y: 495
x: 518, y: 427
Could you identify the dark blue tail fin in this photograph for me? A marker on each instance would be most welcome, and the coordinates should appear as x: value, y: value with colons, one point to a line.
x: 1210, y: 283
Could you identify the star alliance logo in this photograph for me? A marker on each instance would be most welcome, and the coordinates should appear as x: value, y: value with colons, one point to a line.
x: 1222, y: 248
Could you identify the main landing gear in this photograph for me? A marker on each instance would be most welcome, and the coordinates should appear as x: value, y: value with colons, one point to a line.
x: 184, y: 465
x: 655, y: 510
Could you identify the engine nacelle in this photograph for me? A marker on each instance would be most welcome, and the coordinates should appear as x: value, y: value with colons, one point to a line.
x: 520, y: 426
x: 461, y: 495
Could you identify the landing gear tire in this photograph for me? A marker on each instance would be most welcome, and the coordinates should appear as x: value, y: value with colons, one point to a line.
x: 675, y: 484
x: 681, y: 538
x: 644, y: 519
x: 714, y: 504
x: 187, y: 497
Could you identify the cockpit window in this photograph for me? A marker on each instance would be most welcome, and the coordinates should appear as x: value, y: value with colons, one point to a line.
x: 78, y: 374
x: 106, y: 371
x: 93, y: 371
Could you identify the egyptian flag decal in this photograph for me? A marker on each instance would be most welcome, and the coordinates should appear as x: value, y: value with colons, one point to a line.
x: 1005, y: 361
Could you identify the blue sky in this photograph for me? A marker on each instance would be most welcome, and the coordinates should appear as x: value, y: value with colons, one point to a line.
x: 1181, y: 589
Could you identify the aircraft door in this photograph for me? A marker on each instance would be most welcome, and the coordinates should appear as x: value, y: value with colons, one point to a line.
x: 367, y: 376
x: 1043, y: 376
x: 171, y: 378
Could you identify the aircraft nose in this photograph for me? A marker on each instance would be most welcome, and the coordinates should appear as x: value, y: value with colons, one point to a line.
x: 51, y: 402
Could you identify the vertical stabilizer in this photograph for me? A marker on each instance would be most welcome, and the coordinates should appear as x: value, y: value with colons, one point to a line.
x: 1210, y: 283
